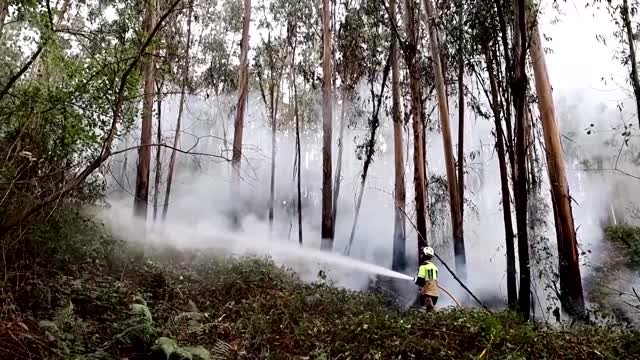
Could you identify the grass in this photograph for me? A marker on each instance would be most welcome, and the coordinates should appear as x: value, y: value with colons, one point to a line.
x: 94, y: 297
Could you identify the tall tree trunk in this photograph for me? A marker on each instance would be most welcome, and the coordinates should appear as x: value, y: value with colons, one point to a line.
x: 410, y: 54
x: 399, y: 235
x: 156, y: 188
x: 512, y: 296
x: 570, y: 281
x: 452, y: 183
x: 633, y: 76
x: 274, y: 100
x: 461, y: 111
x: 299, y: 191
x: 144, y: 152
x: 519, y: 95
x: 327, y: 219
x: 238, y: 123
x: 338, y: 180
x: 176, y: 137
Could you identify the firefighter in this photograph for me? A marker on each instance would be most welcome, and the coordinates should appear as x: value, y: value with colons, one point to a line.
x: 427, y: 280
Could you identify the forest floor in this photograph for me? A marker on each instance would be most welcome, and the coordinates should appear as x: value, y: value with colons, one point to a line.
x: 80, y: 294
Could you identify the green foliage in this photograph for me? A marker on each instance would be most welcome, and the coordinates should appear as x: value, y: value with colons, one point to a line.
x: 626, y: 238
x: 157, y: 302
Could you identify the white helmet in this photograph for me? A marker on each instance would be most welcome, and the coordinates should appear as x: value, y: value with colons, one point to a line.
x: 428, y: 250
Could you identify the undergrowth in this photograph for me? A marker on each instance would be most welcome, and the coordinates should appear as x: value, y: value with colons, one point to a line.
x: 89, y: 296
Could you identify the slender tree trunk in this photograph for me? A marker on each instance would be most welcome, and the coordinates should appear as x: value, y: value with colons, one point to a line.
x: 370, y: 146
x: 238, y: 123
x: 452, y: 183
x: 512, y: 296
x: 156, y: 188
x: 410, y: 53
x: 531, y: 147
x: 141, y: 199
x: 327, y: 219
x: 461, y: 111
x: 399, y: 235
x: 338, y: 180
x: 570, y: 281
x: 176, y: 137
x: 295, y: 96
x: 508, y: 70
x: 519, y: 95
x: 274, y: 98
x: 633, y: 76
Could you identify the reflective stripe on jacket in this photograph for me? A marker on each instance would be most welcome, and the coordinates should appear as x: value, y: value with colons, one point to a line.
x: 428, y: 278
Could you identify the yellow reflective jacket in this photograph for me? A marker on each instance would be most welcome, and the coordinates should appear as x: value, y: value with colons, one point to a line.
x: 428, y: 279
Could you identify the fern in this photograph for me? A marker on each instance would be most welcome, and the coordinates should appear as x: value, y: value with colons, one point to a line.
x: 191, y: 319
x: 221, y: 350
x: 139, y: 327
x: 171, y: 351
x: 198, y: 352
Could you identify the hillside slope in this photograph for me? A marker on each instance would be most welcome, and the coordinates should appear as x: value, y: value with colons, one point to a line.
x: 88, y: 296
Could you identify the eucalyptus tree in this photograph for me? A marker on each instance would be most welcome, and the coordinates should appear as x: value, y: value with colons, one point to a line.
x: 484, y: 48
x: 410, y: 52
x: 243, y: 94
x: 399, y: 233
x: 327, y: 123
x: 141, y: 196
x: 571, y: 293
x: 624, y: 13
x: 368, y: 25
x: 521, y: 196
x: 443, y: 107
x: 270, y: 61
x: 183, y: 86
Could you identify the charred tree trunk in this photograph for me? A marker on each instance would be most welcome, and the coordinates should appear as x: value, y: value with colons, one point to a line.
x: 141, y: 199
x: 572, y: 297
x: 512, y: 296
x: 243, y: 94
x: 633, y: 76
x: 452, y: 183
x: 521, y: 196
x: 338, y: 180
x: 156, y: 188
x: 410, y: 54
x: 327, y: 219
x: 176, y: 137
x: 399, y: 235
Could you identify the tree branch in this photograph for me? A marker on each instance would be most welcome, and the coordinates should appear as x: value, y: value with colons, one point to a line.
x: 105, y: 151
x: 188, y: 152
x: 22, y: 70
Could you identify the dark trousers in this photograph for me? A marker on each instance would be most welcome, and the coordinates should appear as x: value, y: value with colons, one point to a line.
x: 428, y: 301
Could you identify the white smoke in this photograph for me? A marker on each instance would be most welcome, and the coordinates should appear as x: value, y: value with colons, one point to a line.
x: 201, y: 199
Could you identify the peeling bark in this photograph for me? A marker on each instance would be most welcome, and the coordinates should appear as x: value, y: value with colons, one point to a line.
x: 571, y: 293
